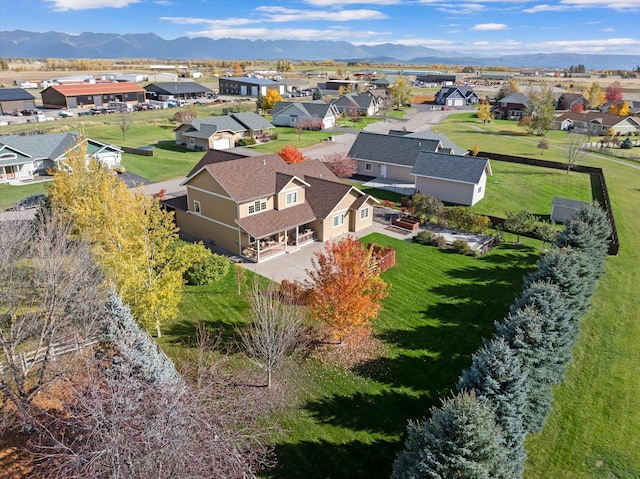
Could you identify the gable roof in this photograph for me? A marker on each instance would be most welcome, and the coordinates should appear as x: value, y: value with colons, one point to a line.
x: 214, y: 156
x: 252, y: 120
x: 97, y: 88
x: 399, y: 150
x: 605, y: 119
x: 177, y: 87
x: 465, y: 91
x: 461, y: 169
x: 447, y: 144
x: 517, y: 98
x: 50, y: 146
x: 567, y: 203
x: 308, y: 109
x: 15, y: 94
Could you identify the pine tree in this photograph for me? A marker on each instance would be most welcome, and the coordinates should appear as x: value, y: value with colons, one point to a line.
x: 547, y: 299
x: 496, y: 375
x: 130, y: 348
x: 461, y: 440
x: 524, y: 332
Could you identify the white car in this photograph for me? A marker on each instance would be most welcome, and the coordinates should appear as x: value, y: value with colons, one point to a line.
x: 65, y: 114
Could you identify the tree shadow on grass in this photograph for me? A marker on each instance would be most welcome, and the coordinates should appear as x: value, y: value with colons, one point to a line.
x: 170, y: 145
x: 327, y: 460
x: 185, y: 332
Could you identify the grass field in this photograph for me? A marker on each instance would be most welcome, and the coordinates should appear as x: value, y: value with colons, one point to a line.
x: 348, y: 423
x: 592, y: 432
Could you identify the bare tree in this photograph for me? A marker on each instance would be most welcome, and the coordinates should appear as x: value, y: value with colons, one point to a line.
x: 50, y: 295
x: 276, y: 329
x: 128, y: 419
x: 124, y: 121
x: 353, y: 114
x: 575, y: 149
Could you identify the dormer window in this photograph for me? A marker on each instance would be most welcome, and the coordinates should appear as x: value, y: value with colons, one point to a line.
x: 292, y: 198
x: 257, y: 206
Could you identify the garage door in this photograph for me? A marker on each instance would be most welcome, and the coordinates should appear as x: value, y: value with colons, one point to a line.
x: 456, y: 102
x: 221, y: 144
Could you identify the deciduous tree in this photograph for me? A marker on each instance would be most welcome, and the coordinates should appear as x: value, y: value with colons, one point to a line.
x: 576, y: 144
x: 133, y: 239
x: 621, y: 109
x: 614, y: 92
x: 541, y: 108
x: 425, y: 206
x: 519, y: 222
x: 340, y: 164
x: 484, y: 113
x: 275, y: 329
x: 543, y: 144
x: 545, y: 231
x: 270, y: 99
x: 401, y: 93
x: 595, y: 95
x: 460, y: 440
x: 291, y: 154
x: 346, y: 288
x: 50, y: 293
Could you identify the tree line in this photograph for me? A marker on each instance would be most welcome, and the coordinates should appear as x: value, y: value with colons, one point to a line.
x: 506, y: 392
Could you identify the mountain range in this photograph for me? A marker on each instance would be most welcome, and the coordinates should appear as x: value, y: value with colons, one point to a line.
x: 23, y: 44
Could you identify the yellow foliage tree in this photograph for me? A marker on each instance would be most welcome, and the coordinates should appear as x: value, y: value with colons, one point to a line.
x: 272, y: 97
x: 133, y: 239
x: 484, y: 113
x: 621, y: 109
x: 595, y: 95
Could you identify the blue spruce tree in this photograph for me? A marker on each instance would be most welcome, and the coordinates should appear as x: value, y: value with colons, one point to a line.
x: 460, y: 440
x: 496, y: 375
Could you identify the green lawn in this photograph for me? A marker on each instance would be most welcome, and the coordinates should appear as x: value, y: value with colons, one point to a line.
x: 11, y: 194
x: 289, y: 136
x: 348, y: 423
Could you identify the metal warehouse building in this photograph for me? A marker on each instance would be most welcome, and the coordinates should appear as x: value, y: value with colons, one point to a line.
x: 248, y: 86
x: 86, y: 95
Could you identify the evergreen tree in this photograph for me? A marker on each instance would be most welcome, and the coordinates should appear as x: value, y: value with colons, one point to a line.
x: 461, y: 440
x: 317, y: 94
x: 496, y: 375
x: 524, y: 332
x: 130, y: 348
x: 547, y: 299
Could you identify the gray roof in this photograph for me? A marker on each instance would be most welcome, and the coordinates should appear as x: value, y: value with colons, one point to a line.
x: 308, y: 109
x: 465, y: 91
x: 252, y: 120
x: 14, y: 94
x: 447, y: 144
x: 178, y: 87
x: 567, y: 203
x: 399, y: 150
x: 516, y: 98
x: 462, y: 169
x: 50, y: 146
x: 253, y: 81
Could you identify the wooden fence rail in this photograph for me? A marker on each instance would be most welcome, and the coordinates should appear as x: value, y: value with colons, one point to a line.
x: 28, y: 359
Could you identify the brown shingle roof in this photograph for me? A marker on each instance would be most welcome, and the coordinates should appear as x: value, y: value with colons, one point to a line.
x: 215, y: 156
x: 98, y: 88
x: 272, y: 221
x: 324, y: 195
x: 596, y: 116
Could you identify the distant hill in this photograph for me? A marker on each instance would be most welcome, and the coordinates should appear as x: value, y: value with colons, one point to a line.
x: 23, y: 44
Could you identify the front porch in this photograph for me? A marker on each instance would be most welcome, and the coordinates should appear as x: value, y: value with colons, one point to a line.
x: 278, y: 243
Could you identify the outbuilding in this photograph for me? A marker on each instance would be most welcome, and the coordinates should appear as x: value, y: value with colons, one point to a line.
x: 88, y: 95
x: 178, y: 90
x: 15, y: 99
x: 563, y: 209
x: 246, y: 86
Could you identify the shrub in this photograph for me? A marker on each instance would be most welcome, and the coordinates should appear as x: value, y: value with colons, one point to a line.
x: 461, y: 246
x: 246, y: 141
x: 481, y: 224
x: 424, y: 237
x: 627, y: 144
x: 439, y: 241
x: 209, y: 270
x: 461, y: 217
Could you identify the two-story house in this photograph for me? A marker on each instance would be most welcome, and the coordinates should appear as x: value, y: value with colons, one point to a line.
x: 456, y: 96
x: 511, y: 107
x: 260, y: 206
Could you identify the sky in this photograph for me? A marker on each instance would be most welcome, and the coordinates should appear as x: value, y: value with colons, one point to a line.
x: 478, y: 27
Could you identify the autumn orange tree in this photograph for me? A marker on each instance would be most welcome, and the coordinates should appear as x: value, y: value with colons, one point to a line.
x: 291, y: 154
x: 620, y: 108
x: 346, y: 290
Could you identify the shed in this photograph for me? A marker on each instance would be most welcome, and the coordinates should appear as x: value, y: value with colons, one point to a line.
x: 563, y: 209
x: 15, y: 99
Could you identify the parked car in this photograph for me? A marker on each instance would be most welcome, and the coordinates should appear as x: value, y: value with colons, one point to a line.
x: 118, y: 168
x: 65, y: 114
x: 31, y: 201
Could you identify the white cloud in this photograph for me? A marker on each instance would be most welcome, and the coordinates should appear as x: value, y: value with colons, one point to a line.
x: 607, y: 29
x: 489, y: 26
x: 262, y: 33
x: 281, y: 14
x: 546, y: 8
x: 66, y: 5
x: 564, y: 5
x: 332, y: 3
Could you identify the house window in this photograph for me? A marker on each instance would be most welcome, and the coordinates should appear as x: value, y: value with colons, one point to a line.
x: 292, y: 198
x: 368, y: 167
x: 192, y: 141
x: 479, y: 189
x: 364, y: 213
x: 196, y: 207
x: 257, y: 206
x: 338, y: 220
